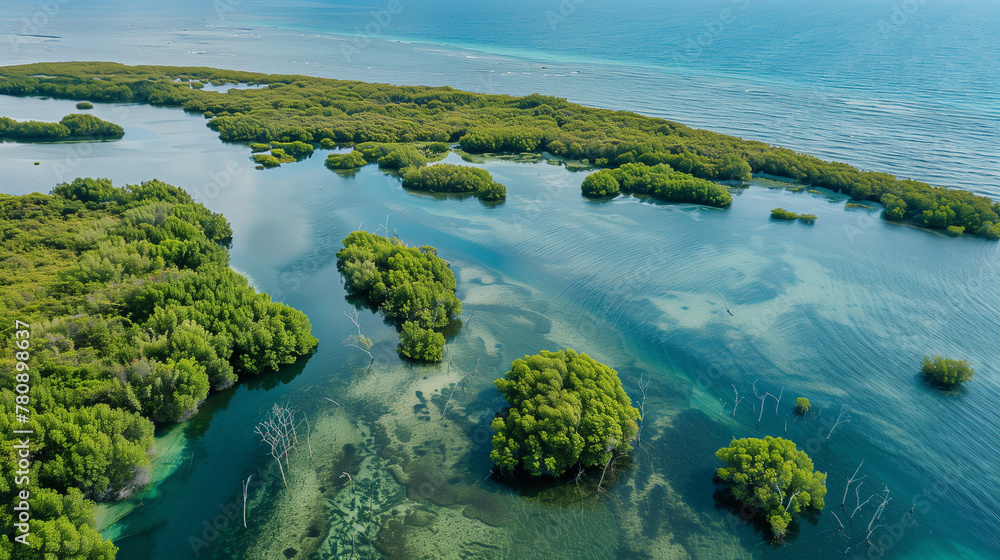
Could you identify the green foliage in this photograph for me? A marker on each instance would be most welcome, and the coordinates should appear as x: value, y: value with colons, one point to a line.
x: 268, y: 160
x: 494, y: 192
x: 306, y: 109
x: 565, y: 409
x: 96, y: 449
x: 947, y: 372
x: 297, y: 149
x: 502, y: 139
x: 119, y: 341
x: 89, y: 126
x: 956, y: 231
x: 62, y: 523
x: 782, y: 214
x: 262, y: 335
x: 802, y: 405
x: 392, y: 156
x: 772, y: 475
x: 71, y: 127
x: 991, y: 231
x: 600, y: 185
x: 662, y: 182
x: 405, y: 284
x: 895, y: 208
x: 447, y: 178
x: 258, y: 147
x: 420, y: 344
x: 168, y: 392
x: 84, y: 105
x: 352, y: 160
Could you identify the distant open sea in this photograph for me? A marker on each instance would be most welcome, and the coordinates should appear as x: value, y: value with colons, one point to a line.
x: 910, y: 87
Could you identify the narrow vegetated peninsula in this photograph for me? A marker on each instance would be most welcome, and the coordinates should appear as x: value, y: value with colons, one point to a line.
x: 782, y: 214
x: 71, y: 127
x: 133, y: 316
x: 324, y: 111
x: 412, y: 287
x: 566, y: 409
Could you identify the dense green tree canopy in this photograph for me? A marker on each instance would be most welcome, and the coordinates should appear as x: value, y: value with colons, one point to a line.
x: 659, y: 180
x: 947, y: 372
x: 772, y: 475
x: 565, y: 409
x: 413, y: 288
x: 135, y: 315
x: 448, y: 178
x: 350, y: 160
x: 600, y: 184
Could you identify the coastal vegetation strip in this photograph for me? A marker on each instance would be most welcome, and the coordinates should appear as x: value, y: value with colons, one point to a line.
x: 412, y: 287
x: 318, y: 110
x: 75, y: 126
x: 136, y: 317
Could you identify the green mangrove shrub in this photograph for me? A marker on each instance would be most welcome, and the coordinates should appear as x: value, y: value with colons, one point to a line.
x: 565, y: 409
x: 773, y: 476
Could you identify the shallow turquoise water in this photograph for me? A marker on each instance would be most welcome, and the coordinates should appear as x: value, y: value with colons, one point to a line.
x: 841, y: 312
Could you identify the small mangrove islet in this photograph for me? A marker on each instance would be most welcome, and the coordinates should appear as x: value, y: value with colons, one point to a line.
x: 413, y: 288
x: 946, y: 373
x: 565, y: 409
x: 782, y: 214
x: 773, y: 476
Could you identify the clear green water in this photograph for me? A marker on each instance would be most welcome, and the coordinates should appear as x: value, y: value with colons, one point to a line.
x: 840, y: 312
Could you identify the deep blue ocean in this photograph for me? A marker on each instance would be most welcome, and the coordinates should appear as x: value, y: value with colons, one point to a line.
x: 841, y: 311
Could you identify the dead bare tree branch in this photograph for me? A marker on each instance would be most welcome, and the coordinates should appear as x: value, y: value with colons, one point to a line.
x: 246, y: 487
x: 762, y: 399
x: 878, y: 512
x: 843, y: 408
x: 642, y: 408
x: 359, y: 341
x: 857, y: 496
x: 278, y: 431
x: 851, y: 481
x: 737, y: 400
